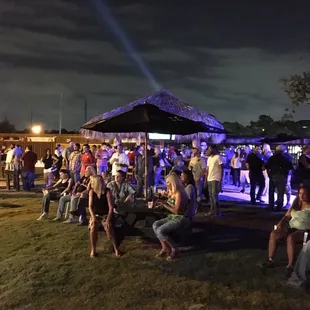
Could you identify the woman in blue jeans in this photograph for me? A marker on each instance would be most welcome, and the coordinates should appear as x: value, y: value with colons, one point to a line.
x: 177, y: 204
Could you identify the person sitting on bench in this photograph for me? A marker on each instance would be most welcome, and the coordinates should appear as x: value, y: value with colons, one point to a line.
x: 177, y: 204
x: 62, y: 187
x: 122, y: 192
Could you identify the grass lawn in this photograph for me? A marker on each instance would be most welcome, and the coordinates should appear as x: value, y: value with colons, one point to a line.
x: 45, y: 265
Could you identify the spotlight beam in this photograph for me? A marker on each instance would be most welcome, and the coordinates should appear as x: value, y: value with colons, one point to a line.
x: 107, y: 16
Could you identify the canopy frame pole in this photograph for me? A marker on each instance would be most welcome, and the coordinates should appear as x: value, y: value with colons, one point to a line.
x: 146, y: 165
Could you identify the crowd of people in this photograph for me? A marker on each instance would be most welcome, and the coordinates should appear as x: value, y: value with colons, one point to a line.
x: 96, y: 179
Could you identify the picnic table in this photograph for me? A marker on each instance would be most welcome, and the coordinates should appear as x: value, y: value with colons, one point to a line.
x: 138, y: 220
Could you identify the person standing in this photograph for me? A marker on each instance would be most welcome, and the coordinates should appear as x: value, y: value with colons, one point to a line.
x: 197, y: 166
x: 102, y: 157
x: 66, y: 154
x: 236, y: 168
x: 119, y: 161
x: 266, y: 154
x: 87, y: 159
x: 304, y: 166
x: 29, y: 160
x: 278, y: 168
x: 75, y: 163
x: 214, y: 177
x: 288, y: 187
x: 244, y: 172
x: 255, y: 165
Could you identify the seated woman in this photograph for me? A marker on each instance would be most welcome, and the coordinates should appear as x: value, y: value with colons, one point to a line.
x: 122, y: 192
x: 62, y: 187
x: 188, y: 181
x: 101, y: 213
x: 177, y: 204
x: 292, y: 227
x: 79, y: 192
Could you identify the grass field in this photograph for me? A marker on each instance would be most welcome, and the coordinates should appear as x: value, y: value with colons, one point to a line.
x: 45, y: 265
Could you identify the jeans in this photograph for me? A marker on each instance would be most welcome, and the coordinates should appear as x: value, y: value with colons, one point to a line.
x: 81, y: 208
x: 164, y: 227
x: 75, y: 176
x: 277, y: 182
x: 140, y: 182
x: 46, y: 200
x: 199, y: 185
x: 244, y: 178
x: 28, y: 180
x: 62, y: 203
x: 158, y: 178
x: 288, y: 188
x: 236, y: 177
x: 256, y: 179
x: 213, y: 187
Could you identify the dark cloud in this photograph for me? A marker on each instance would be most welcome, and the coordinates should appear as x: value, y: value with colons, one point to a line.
x: 225, y: 57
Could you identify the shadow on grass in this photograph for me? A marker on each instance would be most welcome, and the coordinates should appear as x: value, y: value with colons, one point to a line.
x: 9, y: 205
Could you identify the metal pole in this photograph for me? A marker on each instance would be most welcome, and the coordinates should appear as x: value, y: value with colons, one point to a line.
x: 30, y: 117
x: 60, y: 113
x: 146, y: 185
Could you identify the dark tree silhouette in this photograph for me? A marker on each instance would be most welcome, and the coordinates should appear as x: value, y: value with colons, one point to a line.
x: 6, y: 126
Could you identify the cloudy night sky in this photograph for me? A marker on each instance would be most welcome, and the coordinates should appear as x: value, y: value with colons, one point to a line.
x: 221, y: 57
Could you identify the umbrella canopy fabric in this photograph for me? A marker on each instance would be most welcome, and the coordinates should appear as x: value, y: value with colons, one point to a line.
x: 280, y: 138
x: 149, y: 118
x: 165, y: 102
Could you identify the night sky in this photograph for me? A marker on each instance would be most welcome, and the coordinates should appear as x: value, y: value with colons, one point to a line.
x: 224, y: 57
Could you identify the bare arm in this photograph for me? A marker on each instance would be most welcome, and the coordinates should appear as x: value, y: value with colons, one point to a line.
x: 90, y: 204
x: 221, y: 173
x: 110, y: 203
x: 53, y: 186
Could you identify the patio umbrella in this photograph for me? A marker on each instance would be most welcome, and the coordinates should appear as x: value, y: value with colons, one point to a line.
x: 166, y: 102
x: 160, y: 112
x: 149, y: 118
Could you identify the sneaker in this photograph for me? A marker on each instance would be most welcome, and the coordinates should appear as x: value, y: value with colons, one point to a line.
x: 268, y: 264
x: 43, y: 216
x: 209, y: 214
x: 56, y: 219
x: 70, y: 221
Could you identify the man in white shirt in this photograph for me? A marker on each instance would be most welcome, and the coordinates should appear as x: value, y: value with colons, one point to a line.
x: 9, y: 165
x: 119, y: 161
x: 214, y: 176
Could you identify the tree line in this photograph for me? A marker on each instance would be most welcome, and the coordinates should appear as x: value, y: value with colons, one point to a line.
x: 297, y: 87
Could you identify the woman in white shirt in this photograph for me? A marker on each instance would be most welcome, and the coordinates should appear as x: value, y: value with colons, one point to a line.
x: 236, y: 167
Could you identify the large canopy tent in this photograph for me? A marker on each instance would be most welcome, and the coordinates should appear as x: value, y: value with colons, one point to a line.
x: 161, y: 113
x: 166, y: 102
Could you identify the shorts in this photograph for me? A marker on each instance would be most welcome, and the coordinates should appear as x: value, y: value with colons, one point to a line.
x: 100, y: 221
